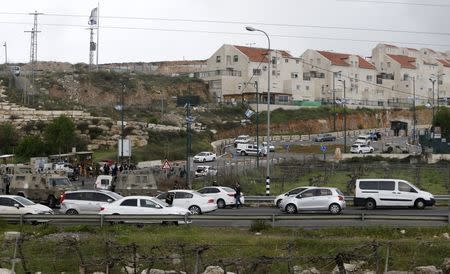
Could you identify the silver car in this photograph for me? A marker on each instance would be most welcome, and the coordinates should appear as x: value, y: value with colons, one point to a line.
x: 86, y: 201
x: 315, y: 199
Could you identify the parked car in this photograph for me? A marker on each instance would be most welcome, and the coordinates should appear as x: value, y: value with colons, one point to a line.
x: 363, y: 139
x: 141, y: 205
x: 241, y: 139
x: 249, y: 149
x: 205, y: 171
x: 223, y: 195
x: 195, y: 202
x: 372, y: 193
x: 205, y: 156
x: 361, y: 148
x: 12, y: 204
x: 86, y: 201
x: 293, y: 191
x: 327, y: 137
x: 271, y: 147
x: 315, y: 199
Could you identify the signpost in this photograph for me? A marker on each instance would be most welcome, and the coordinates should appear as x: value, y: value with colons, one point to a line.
x: 324, y: 149
x: 166, y: 166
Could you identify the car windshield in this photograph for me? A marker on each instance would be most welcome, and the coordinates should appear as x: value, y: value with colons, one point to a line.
x: 201, y: 168
x: 114, y: 195
x: 201, y: 154
x: 60, y: 182
x: 197, y: 193
x: 354, y: 146
x: 228, y: 189
x: 24, y: 201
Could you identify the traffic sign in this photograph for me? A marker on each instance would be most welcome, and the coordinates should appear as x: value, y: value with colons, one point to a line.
x: 166, y: 165
x: 323, y: 148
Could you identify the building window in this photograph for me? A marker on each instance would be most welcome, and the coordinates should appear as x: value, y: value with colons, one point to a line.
x: 307, y: 87
x: 235, y: 58
x: 257, y: 72
x: 369, y: 78
x: 283, y: 98
x: 405, y: 77
x: 274, y: 60
x: 306, y: 76
x: 298, y: 87
x: 297, y: 61
x: 218, y: 59
x: 294, y: 75
x: 286, y: 60
x: 388, y: 64
x: 275, y: 72
x: 366, y: 89
x: 318, y: 61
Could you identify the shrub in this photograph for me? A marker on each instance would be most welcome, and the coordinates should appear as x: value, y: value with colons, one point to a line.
x: 95, y: 132
x: 258, y: 226
x: 83, y: 126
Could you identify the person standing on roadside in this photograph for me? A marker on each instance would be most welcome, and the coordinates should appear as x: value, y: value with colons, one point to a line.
x: 237, y: 195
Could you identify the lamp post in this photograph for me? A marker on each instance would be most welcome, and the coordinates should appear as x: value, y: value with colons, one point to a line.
x: 345, y: 117
x: 257, y: 123
x: 432, y: 82
x: 334, y: 99
x: 121, y: 119
x: 414, y: 107
x: 268, y: 109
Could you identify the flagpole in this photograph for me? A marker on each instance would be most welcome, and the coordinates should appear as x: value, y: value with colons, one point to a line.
x: 98, y: 28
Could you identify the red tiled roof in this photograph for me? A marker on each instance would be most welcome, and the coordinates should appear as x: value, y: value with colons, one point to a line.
x: 259, y: 54
x: 404, y: 61
x: 364, y: 64
x: 446, y: 63
x: 340, y: 59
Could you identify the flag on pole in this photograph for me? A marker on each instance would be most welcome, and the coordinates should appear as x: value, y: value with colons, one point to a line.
x: 93, y: 17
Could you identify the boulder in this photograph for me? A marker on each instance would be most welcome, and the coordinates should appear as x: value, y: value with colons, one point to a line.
x: 213, y: 269
x: 176, y: 258
x: 429, y: 269
x: 446, y: 266
x: 352, y: 267
x: 446, y: 235
x: 5, y: 271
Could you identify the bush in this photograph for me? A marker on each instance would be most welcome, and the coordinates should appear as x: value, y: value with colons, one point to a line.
x: 83, y: 126
x: 95, y: 132
x: 31, y: 146
x: 258, y: 226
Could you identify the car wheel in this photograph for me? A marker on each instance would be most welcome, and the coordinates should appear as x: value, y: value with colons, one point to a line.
x: 242, y: 153
x: 419, y: 204
x: 71, y: 212
x: 334, y: 209
x: 195, y: 210
x: 291, y: 209
x: 214, y: 158
x: 360, y: 152
x: 221, y: 203
x: 371, y: 151
x: 370, y: 204
x: 204, y: 160
x: 278, y: 203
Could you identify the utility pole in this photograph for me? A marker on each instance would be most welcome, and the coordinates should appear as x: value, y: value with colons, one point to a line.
x: 432, y: 82
x: 6, y: 53
x: 345, y: 118
x: 33, y: 49
x: 414, y: 109
x: 337, y: 73
x: 92, y: 48
x: 257, y: 124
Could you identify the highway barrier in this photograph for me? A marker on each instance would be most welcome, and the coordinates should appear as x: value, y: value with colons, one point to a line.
x: 101, y: 220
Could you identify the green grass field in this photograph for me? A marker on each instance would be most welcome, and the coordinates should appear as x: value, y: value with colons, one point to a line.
x: 52, y: 250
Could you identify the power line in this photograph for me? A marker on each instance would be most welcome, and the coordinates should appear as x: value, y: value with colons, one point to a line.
x: 247, y: 23
x: 241, y: 33
x: 396, y: 3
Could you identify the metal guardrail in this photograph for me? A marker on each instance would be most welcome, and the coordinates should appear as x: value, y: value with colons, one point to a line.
x: 260, y: 199
x: 101, y: 220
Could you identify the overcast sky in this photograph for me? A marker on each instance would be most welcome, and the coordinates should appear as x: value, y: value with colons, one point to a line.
x: 121, y: 40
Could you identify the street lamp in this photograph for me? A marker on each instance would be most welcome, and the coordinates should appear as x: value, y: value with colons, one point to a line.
x: 268, y: 109
x: 6, y: 53
x: 414, y: 107
x: 345, y: 117
x: 432, y: 82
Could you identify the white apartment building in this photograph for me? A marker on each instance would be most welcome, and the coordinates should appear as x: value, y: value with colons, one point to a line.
x: 393, y: 77
x: 324, y: 74
x: 232, y: 72
x: 407, y: 73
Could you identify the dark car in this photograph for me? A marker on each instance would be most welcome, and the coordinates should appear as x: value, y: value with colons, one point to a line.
x: 325, y: 138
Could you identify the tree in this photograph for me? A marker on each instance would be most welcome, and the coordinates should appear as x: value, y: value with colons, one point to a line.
x: 8, y: 138
x: 442, y: 119
x: 31, y: 146
x: 60, y: 134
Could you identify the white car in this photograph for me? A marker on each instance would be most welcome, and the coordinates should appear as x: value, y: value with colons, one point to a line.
x: 364, y: 139
x: 361, y: 148
x: 293, y: 191
x: 223, y: 195
x: 86, y: 201
x: 11, y: 204
x: 241, y: 139
x: 141, y: 205
x: 205, y: 156
x: 314, y: 199
x: 195, y: 202
x: 205, y: 171
x: 271, y: 147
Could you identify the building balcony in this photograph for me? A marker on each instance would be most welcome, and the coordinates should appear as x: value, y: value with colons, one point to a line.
x: 215, y: 73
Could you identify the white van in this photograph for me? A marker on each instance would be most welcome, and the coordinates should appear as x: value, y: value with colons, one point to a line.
x: 363, y: 139
x: 371, y: 193
x: 249, y: 149
x: 103, y: 182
